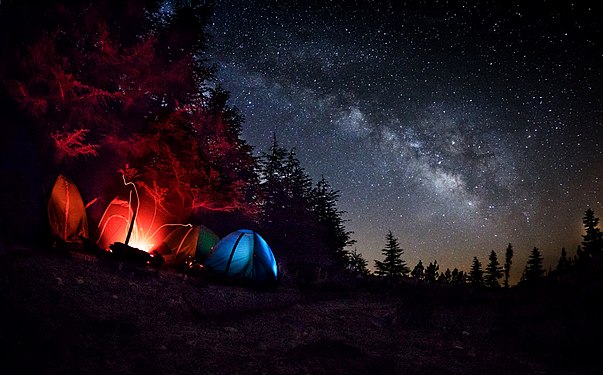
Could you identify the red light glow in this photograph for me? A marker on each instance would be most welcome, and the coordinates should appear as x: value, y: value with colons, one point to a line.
x: 117, y: 219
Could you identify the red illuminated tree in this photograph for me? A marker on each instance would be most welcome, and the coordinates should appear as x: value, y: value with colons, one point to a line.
x: 113, y: 83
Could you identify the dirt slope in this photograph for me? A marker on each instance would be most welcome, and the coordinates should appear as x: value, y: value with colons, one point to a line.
x: 77, y: 313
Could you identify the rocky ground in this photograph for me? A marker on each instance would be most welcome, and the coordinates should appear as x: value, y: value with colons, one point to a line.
x: 77, y: 313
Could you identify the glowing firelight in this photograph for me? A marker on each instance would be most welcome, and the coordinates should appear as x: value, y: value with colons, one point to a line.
x: 119, y: 216
x: 141, y: 243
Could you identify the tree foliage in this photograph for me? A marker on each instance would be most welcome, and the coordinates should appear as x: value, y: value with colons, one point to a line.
x: 458, y: 277
x: 356, y: 263
x: 286, y: 217
x: 493, y: 271
x: 301, y: 218
x: 564, y: 263
x: 445, y: 277
x: 432, y: 272
x: 508, y: 263
x: 109, y: 84
x: 534, y: 269
x: 323, y: 204
x: 418, y: 272
x: 476, y: 275
x: 592, y: 239
x: 392, y: 265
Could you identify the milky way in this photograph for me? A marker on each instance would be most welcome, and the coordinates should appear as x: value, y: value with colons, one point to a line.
x: 460, y: 128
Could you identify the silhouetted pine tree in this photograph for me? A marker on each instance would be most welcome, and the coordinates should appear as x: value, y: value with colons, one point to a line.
x: 493, y: 271
x: 286, y: 216
x: 458, y: 277
x: 323, y: 203
x: 507, y: 266
x: 356, y: 263
x: 418, y: 272
x: 276, y: 189
x: 581, y: 257
x: 431, y: 272
x: 564, y: 263
x: 297, y: 184
x: 392, y: 266
x: 476, y: 275
x: 272, y: 172
x: 445, y: 277
x: 534, y: 269
x: 301, y: 220
x: 592, y: 242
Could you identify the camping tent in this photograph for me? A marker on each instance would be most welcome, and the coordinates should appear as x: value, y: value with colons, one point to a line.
x: 194, y: 241
x: 114, y: 223
x: 134, y: 219
x: 243, y: 254
x: 66, y: 212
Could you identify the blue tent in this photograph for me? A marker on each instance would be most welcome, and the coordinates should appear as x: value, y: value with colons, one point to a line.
x: 243, y: 254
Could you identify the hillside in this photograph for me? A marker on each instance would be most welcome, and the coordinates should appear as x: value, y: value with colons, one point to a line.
x: 76, y: 313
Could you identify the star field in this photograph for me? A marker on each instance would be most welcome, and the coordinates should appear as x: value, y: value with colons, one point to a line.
x: 459, y: 127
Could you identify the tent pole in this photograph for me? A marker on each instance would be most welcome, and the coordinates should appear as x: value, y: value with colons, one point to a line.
x: 133, y: 217
x: 234, y: 247
x: 130, y: 228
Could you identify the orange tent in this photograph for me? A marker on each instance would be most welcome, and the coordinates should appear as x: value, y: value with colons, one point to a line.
x: 67, y: 213
x: 113, y: 226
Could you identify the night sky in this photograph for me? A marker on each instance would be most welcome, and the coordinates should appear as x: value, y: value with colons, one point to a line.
x: 460, y: 128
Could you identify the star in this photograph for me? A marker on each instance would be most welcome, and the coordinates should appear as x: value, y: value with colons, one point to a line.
x: 461, y: 129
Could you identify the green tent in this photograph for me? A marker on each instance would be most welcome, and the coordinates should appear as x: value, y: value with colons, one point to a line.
x: 183, y: 242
